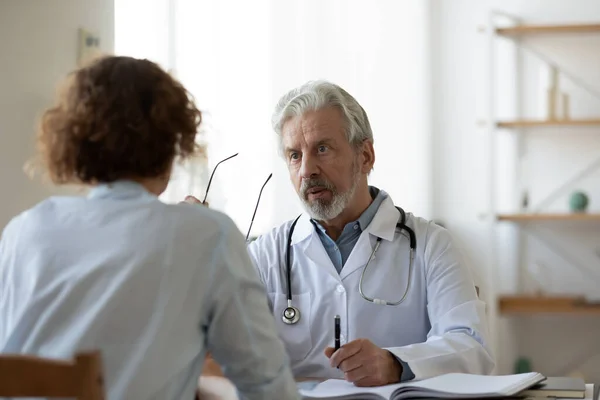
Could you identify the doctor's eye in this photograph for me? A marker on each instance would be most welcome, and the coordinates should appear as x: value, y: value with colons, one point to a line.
x: 323, y: 149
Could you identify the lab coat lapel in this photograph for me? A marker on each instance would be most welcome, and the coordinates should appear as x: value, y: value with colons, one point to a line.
x: 307, y: 240
x: 383, y: 225
x: 359, y: 255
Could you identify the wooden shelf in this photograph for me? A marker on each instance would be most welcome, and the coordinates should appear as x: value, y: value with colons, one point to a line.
x: 542, y: 123
x: 546, y: 305
x: 548, y: 29
x: 548, y: 217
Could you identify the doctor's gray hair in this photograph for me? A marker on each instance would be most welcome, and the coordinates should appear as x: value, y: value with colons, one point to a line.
x: 317, y: 95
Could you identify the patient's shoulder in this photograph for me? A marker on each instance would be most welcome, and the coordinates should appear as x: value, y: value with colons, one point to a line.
x: 200, y: 221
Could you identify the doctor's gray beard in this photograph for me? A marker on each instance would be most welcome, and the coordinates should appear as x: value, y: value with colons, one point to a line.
x: 323, y: 210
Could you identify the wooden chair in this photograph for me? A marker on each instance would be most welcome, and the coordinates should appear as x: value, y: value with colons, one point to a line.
x: 29, y: 376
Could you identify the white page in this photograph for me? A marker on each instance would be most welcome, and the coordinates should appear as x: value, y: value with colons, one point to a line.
x: 467, y: 384
x: 339, y: 388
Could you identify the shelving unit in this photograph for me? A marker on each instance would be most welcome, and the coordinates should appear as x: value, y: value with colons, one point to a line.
x: 533, y: 305
x: 546, y: 305
x: 533, y: 220
x: 541, y: 123
x: 548, y: 217
x: 548, y: 29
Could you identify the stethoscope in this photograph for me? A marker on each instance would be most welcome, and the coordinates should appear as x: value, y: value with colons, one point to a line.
x: 291, y: 314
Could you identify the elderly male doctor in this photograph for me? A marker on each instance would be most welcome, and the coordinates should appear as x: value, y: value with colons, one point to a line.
x: 440, y: 324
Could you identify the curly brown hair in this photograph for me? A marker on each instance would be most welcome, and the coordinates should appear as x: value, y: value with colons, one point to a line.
x: 118, y: 118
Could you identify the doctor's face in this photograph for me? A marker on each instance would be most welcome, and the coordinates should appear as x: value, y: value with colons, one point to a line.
x: 323, y: 166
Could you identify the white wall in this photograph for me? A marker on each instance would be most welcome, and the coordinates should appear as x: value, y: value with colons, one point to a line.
x: 463, y: 109
x: 38, y: 47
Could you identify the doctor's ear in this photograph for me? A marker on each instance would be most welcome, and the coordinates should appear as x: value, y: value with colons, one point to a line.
x: 367, y: 153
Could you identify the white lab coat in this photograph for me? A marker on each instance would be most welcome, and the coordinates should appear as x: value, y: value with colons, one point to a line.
x: 441, y: 327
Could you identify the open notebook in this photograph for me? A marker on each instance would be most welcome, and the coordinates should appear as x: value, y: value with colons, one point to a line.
x: 449, y: 386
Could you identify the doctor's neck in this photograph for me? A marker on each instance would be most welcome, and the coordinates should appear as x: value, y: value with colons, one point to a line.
x: 357, y: 205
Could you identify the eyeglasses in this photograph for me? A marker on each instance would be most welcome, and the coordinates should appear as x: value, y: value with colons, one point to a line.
x: 213, y: 173
x: 256, y: 208
x: 259, y: 195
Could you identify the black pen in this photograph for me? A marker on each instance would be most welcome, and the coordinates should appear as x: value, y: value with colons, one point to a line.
x: 337, y: 332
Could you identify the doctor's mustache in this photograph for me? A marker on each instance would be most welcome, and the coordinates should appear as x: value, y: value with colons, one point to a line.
x: 316, y: 182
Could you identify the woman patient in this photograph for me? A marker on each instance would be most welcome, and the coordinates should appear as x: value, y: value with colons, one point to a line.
x: 152, y: 286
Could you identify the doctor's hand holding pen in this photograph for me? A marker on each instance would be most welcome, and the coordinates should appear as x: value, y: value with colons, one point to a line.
x: 365, y: 364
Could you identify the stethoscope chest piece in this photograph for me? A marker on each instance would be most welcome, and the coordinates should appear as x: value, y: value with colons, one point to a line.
x: 290, y: 315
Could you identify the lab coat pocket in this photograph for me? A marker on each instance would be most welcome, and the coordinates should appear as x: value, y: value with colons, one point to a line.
x: 296, y: 337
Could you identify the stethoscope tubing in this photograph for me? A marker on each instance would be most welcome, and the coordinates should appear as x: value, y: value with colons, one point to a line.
x: 291, y: 314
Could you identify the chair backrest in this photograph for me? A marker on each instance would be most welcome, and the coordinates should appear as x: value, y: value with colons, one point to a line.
x: 29, y: 376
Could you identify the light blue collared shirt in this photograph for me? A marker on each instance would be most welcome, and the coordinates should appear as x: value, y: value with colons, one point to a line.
x: 339, y: 250
x: 152, y: 286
